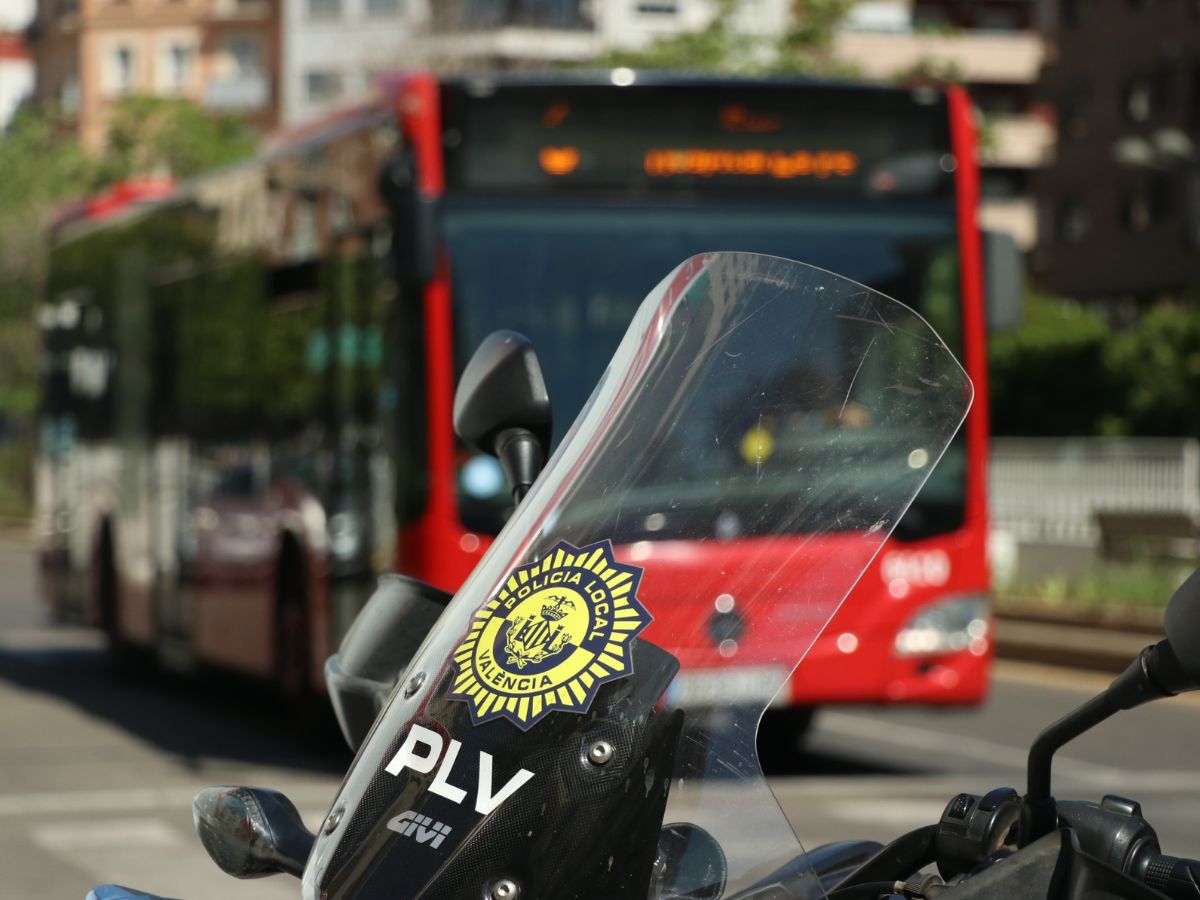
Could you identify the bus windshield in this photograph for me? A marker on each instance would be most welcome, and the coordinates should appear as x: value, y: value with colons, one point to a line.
x: 569, y: 276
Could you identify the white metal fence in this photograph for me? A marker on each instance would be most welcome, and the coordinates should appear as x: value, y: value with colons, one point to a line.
x: 1049, y: 489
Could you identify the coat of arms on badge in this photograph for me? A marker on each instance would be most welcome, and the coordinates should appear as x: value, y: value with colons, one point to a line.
x: 557, y: 629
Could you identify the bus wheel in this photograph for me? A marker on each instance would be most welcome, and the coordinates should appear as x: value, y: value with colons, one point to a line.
x: 293, y: 656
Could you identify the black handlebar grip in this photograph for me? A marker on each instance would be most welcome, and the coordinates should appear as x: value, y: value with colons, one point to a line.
x: 1174, y: 876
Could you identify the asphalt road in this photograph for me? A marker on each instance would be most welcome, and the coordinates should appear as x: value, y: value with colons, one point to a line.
x: 98, y: 767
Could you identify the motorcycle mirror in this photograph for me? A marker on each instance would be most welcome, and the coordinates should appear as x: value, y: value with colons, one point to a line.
x: 250, y: 832
x: 502, y: 407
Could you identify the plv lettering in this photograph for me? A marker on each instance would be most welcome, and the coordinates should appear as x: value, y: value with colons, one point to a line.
x: 422, y: 752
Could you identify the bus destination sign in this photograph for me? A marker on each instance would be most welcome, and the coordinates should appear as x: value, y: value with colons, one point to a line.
x: 686, y: 136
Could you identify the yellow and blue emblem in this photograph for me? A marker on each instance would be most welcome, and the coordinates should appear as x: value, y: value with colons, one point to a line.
x: 557, y: 630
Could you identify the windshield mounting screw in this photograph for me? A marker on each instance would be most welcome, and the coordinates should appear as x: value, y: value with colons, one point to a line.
x: 600, y: 753
x: 504, y: 889
x: 334, y: 819
x: 414, y: 684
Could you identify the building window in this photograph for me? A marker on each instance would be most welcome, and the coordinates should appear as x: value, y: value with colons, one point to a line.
x: 175, y: 67
x: 381, y: 8
x: 1074, y: 223
x: 68, y: 94
x: 1147, y: 205
x: 1139, y: 102
x: 246, y: 53
x: 323, y: 86
x: 120, y: 75
x: 324, y: 9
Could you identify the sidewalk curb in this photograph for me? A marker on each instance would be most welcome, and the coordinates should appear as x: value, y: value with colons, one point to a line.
x: 1076, y: 645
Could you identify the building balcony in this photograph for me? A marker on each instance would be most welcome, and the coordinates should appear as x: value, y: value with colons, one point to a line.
x: 1000, y: 57
x: 1016, y: 142
x: 515, y: 44
x: 246, y: 92
x: 1015, y: 215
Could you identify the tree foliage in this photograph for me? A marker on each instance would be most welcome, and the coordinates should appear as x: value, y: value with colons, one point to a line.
x: 1158, y: 363
x: 162, y: 136
x: 1048, y: 377
x: 1066, y: 372
x: 720, y: 46
x: 42, y: 166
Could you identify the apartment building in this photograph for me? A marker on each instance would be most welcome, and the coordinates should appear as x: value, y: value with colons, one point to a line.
x: 506, y: 34
x: 1120, y: 204
x: 332, y: 50
x: 222, y: 54
x: 996, y: 48
x: 16, y: 65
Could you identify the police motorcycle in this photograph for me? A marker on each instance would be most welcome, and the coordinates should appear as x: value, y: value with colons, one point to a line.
x: 535, y: 737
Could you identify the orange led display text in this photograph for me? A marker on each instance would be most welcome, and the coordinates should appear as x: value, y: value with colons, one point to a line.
x: 736, y: 118
x: 558, y: 160
x: 770, y: 163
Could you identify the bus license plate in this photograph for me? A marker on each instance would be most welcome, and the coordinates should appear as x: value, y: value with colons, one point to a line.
x: 728, y: 686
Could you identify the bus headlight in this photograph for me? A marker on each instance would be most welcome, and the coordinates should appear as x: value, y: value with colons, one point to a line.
x: 958, y: 623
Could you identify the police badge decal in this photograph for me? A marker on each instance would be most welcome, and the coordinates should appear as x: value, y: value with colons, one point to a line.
x: 558, y: 629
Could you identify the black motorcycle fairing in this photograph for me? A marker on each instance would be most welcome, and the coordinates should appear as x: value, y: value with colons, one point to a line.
x: 541, y: 838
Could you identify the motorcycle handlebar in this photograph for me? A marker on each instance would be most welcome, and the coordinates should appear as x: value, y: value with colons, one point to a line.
x: 1175, y: 876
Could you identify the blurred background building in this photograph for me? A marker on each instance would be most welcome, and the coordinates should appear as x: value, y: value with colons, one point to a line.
x: 16, y: 66
x: 223, y: 54
x: 331, y: 50
x: 997, y: 49
x: 1120, y: 204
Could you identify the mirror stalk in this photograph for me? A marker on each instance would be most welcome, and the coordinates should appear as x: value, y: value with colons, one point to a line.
x: 1170, y: 667
x: 1156, y: 673
x: 521, y: 456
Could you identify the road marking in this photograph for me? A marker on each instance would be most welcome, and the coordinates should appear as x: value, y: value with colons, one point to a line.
x: 141, y: 833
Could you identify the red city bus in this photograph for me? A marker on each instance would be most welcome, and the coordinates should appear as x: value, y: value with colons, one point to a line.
x: 248, y: 384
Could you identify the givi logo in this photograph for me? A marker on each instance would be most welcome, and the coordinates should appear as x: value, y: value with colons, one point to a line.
x: 421, y: 829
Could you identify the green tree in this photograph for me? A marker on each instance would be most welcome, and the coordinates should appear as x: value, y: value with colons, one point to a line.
x: 163, y: 136
x: 1049, y: 377
x: 1159, y: 363
x: 806, y: 47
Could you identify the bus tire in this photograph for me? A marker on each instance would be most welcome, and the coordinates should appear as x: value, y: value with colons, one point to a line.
x: 293, y: 653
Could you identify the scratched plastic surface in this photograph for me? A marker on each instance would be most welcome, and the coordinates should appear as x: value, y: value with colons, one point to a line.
x: 758, y: 434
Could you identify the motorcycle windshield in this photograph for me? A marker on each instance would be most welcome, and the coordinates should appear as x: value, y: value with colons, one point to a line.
x: 759, y: 432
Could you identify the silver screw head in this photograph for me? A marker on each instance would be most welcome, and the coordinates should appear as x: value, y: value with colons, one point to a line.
x: 334, y: 819
x: 504, y: 889
x: 414, y: 684
x: 600, y: 753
